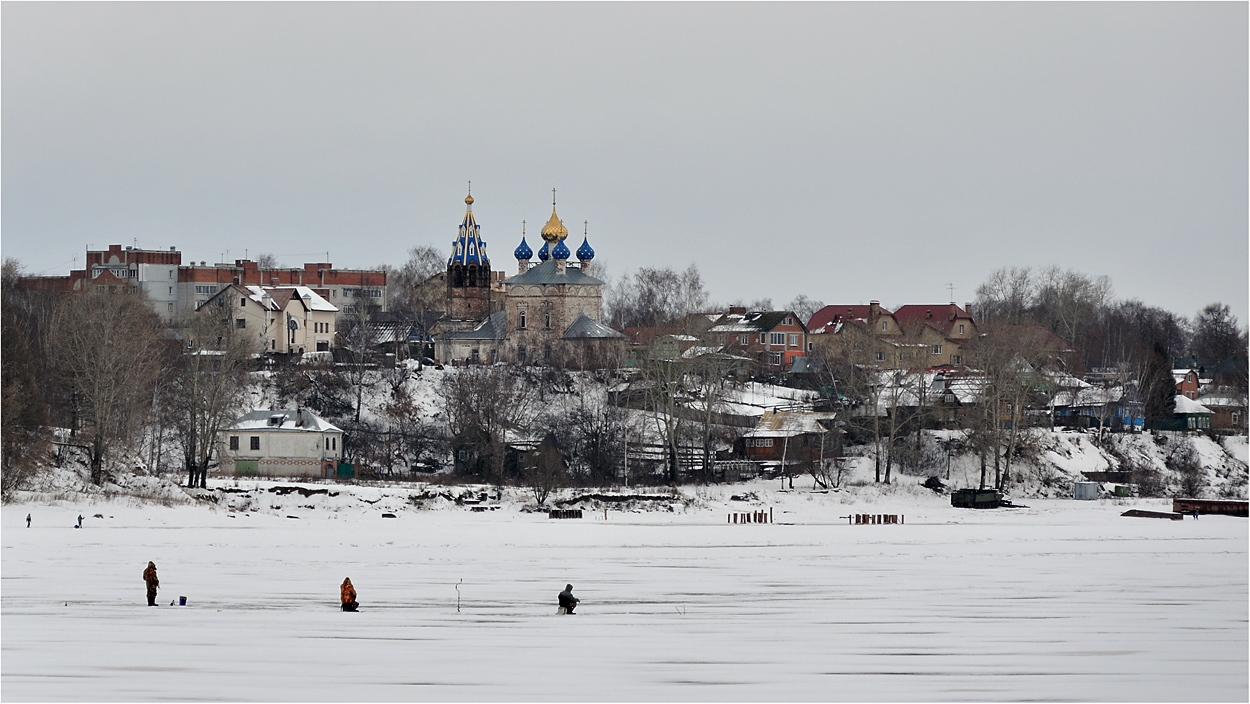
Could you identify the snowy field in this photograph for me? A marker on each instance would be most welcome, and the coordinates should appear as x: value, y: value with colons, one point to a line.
x: 1062, y: 601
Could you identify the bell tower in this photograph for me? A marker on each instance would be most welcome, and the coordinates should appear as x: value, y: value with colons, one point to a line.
x: 468, y: 271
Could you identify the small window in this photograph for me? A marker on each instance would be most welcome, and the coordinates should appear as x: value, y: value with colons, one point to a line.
x: 957, y: 359
x: 522, y: 320
x: 936, y: 349
x: 884, y: 325
x: 547, y: 316
x: 234, y: 442
x: 777, y: 338
x: 240, y: 323
x: 810, y: 347
x: 242, y: 302
x: 763, y: 337
x: 334, y: 443
x: 744, y: 340
x: 254, y: 442
x: 881, y: 356
x: 794, y: 340
x: 961, y: 328
x: 171, y: 273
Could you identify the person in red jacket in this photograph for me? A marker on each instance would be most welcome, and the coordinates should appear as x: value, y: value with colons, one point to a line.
x: 347, y: 593
x: 149, y: 577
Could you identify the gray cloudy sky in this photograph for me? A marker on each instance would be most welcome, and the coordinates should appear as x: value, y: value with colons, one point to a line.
x: 844, y: 151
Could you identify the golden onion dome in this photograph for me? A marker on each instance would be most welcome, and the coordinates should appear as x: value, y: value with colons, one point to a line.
x: 554, y: 230
x: 468, y: 200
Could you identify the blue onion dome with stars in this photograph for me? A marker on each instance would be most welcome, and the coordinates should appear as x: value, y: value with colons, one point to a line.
x: 545, y: 253
x: 585, y: 252
x: 523, y: 251
x: 560, y: 251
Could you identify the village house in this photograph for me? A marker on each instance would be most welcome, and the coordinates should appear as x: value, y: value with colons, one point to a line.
x: 1228, y: 409
x: 283, y: 319
x: 1188, y: 383
x: 791, y: 441
x: 771, y: 339
x: 924, y: 336
x: 281, y: 443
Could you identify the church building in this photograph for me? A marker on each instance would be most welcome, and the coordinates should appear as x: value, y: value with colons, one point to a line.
x: 551, y: 311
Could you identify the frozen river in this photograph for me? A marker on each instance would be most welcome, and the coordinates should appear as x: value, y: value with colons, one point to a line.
x: 1063, y: 601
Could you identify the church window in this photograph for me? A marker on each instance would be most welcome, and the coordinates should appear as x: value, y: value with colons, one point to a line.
x: 547, y: 317
x: 472, y: 276
x: 521, y: 325
x: 520, y: 355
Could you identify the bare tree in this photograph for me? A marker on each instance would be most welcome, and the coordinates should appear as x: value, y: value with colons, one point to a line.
x: 211, y: 379
x: 267, y: 261
x: 483, y: 405
x: 109, y: 348
x: 417, y: 293
x: 805, y: 307
x: 24, y: 427
x: 654, y: 297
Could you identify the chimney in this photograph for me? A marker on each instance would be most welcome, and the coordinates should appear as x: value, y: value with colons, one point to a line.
x: 968, y: 309
x: 954, y: 311
x: 737, y: 310
x: 874, y: 311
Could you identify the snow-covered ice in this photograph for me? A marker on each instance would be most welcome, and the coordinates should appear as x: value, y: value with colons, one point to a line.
x: 1064, y: 600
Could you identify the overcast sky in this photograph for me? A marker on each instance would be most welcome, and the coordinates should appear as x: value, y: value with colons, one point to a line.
x: 844, y: 151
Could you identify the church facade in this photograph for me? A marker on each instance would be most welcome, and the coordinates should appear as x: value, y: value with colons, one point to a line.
x: 551, y: 313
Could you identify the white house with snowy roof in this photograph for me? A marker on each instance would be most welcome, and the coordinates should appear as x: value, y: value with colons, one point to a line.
x: 281, y: 443
x: 284, y: 319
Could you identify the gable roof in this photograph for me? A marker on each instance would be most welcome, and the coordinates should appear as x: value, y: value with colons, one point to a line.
x: 755, y: 321
x: 299, y: 420
x: 546, y: 273
x: 941, y: 316
x: 827, y: 318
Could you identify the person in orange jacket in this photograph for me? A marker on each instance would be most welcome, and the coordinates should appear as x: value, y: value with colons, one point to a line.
x: 348, y: 595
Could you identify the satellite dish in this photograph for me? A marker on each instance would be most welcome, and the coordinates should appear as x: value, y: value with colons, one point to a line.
x: 292, y: 324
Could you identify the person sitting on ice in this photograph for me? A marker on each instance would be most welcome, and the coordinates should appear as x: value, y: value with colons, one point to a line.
x: 568, y: 602
x: 348, y: 594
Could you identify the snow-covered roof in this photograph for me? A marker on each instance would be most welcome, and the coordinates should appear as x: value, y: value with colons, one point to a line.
x: 276, y: 297
x: 301, y: 420
x: 1189, y: 406
x: 1089, y: 396
x: 586, y: 328
x: 1222, y: 400
x: 787, y: 424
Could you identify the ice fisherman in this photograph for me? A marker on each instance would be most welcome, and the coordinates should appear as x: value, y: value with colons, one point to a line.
x: 568, y: 602
x: 149, y: 577
x: 348, y: 595
x: 28, y: 520
x: 79, y: 521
